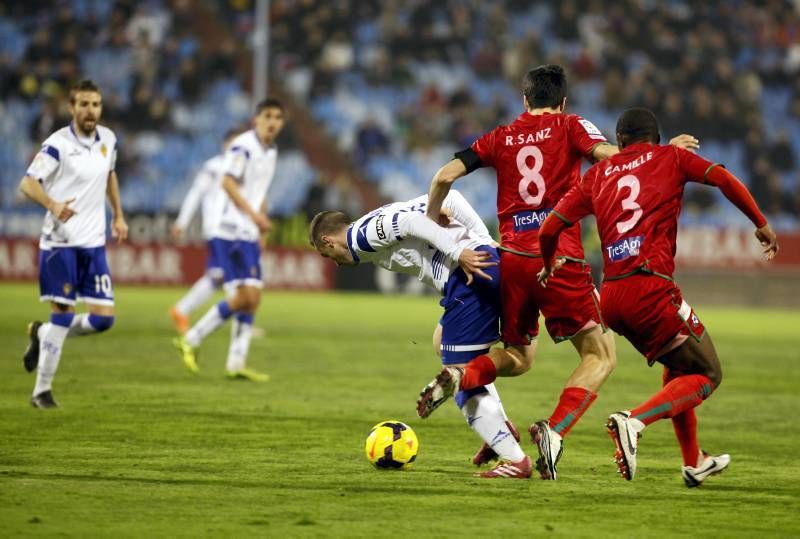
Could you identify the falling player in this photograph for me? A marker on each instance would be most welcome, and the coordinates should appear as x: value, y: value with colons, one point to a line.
x: 636, y: 199
x: 206, y: 193
x: 71, y: 177
x: 400, y: 238
x: 248, y: 171
x: 537, y: 159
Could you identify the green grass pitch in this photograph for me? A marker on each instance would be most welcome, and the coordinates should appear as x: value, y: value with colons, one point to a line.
x: 142, y: 448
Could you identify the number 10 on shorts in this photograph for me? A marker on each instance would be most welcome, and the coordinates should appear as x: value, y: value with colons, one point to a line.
x: 102, y: 283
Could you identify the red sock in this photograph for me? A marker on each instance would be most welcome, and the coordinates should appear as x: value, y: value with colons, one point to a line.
x: 479, y: 372
x: 574, y: 401
x: 681, y: 394
x: 685, y: 426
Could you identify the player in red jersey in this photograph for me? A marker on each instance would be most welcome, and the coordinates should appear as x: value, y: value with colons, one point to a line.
x: 537, y: 159
x: 636, y: 199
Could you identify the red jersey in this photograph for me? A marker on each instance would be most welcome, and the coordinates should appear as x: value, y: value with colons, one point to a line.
x: 537, y: 159
x: 636, y: 199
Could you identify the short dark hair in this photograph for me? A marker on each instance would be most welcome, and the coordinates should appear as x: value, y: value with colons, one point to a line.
x: 269, y: 103
x: 545, y: 86
x: 85, y: 85
x: 637, y: 125
x: 325, y: 223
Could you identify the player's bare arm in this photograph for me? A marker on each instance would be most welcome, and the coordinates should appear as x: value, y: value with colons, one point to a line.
x: 231, y: 188
x: 119, y: 228
x: 687, y: 142
x: 769, y: 240
x: 31, y: 188
x: 440, y: 186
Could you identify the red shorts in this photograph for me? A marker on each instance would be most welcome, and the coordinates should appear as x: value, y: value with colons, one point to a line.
x: 569, y: 304
x: 650, y: 312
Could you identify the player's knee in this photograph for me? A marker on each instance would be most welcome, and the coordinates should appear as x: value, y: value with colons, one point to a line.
x: 101, y: 323
x: 715, y: 375
x: 523, y: 361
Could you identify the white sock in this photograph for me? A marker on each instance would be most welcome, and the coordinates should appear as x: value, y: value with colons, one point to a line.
x: 484, y: 414
x: 493, y: 392
x: 51, y: 340
x: 199, y: 293
x: 203, y: 327
x: 241, y: 332
x: 80, y: 326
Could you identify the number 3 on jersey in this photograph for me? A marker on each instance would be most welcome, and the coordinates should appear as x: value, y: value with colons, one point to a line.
x: 632, y: 182
x: 531, y: 175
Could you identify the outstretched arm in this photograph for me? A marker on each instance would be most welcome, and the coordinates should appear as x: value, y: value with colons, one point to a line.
x: 464, y: 213
x: 737, y: 193
x: 440, y: 186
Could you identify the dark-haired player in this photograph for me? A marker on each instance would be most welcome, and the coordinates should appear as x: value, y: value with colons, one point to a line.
x: 636, y: 199
x: 248, y: 171
x: 71, y: 177
x: 537, y: 159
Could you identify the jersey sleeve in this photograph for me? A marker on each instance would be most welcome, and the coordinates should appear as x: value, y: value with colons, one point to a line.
x: 577, y: 203
x: 465, y: 214
x: 483, y: 148
x: 192, y: 201
x: 45, y: 163
x: 583, y: 135
x: 236, y: 159
x: 417, y: 225
x: 113, y: 162
x: 694, y: 167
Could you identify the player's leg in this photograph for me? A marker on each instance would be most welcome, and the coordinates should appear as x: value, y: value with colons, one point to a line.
x: 58, y: 276
x: 51, y: 338
x: 202, y: 289
x: 96, y: 289
x: 570, y: 305
x: 246, y: 303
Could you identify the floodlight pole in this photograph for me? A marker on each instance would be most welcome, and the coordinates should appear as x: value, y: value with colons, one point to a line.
x: 261, y: 51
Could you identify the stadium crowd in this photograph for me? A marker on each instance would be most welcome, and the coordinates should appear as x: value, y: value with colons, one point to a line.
x: 401, y: 84
x: 167, y: 94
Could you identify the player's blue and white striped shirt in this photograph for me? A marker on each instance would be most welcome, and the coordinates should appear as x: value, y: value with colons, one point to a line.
x: 400, y: 238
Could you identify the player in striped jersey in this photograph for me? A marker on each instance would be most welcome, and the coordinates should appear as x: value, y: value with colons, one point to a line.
x: 400, y: 238
x: 207, y: 195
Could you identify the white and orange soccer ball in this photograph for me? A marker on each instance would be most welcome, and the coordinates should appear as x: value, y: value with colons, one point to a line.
x: 391, y: 445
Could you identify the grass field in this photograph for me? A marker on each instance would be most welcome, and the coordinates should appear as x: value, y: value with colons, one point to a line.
x: 141, y: 448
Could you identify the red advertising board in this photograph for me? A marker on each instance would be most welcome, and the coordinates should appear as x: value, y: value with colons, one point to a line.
x: 283, y: 268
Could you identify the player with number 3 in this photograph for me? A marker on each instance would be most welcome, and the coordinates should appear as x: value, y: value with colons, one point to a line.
x: 636, y: 198
x: 538, y: 159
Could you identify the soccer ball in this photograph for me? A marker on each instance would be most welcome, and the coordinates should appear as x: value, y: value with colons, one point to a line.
x: 391, y: 444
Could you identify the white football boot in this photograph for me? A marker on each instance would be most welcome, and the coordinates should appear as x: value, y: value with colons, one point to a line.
x: 711, y: 465
x: 550, y: 447
x: 439, y: 390
x: 626, y: 440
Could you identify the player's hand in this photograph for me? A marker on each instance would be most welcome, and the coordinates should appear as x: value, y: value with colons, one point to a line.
x: 473, y: 262
x: 687, y: 142
x: 546, y: 272
x: 62, y: 211
x: 262, y: 222
x: 444, y: 217
x: 769, y: 240
x: 119, y: 229
x: 175, y: 232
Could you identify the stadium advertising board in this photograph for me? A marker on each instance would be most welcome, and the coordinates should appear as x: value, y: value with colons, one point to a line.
x: 162, y: 264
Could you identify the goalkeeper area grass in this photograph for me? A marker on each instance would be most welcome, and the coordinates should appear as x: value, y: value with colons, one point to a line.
x: 140, y: 447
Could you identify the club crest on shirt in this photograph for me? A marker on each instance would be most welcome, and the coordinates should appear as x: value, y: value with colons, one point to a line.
x: 103, y: 150
x: 67, y: 288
